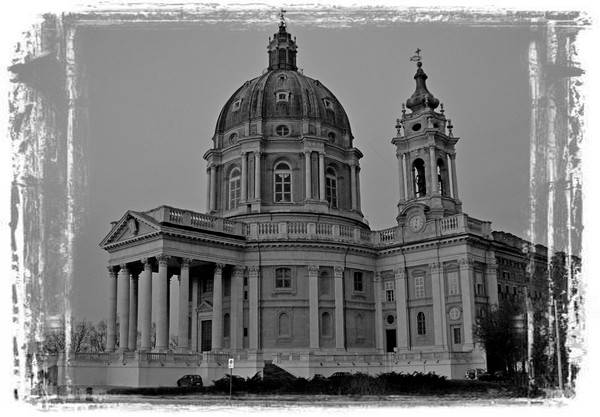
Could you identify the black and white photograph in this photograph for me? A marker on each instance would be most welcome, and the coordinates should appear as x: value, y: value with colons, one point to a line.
x: 298, y: 207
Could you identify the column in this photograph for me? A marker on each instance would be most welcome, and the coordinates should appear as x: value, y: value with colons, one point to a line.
x: 208, y: 185
x: 454, y: 181
x: 358, y: 200
x: 217, y: 317
x: 491, y: 281
x: 405, y: 176
x: 183, y: 338
x: 133, y: 312
x: 400, y: 177
x: 111, y: 326
x: 468, y: 302
x: 213, y: 187
x: 353, y: 184
x: 257, y: 195
x: 433, y: 166
x: 338, y: 279
x: 195, y: 314
x: 321, y: 176
x: 236, y: 319
x: 313, y: 305
x: 449, y: 173
x: 244, y: 196
x: 402, y: 316
x: 146, y: 306
x: 162, y: 319
x: 378, y: 289
x: 123, y: 307
x: 307, y: 176
x: 438, y: 300
x: 253, y: 331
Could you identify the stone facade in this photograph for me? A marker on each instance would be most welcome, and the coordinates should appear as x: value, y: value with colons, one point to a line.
x: 283, y: 267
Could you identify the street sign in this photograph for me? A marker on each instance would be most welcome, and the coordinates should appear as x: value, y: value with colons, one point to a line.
x: 230, y: 364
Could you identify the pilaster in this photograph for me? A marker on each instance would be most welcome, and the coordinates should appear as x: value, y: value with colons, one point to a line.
x: 338, y: 278
x: 217, y: 318
x: 313, y: 305
x: 439, y: 316
x: 253, y: 331
x: 468, y: 302
x: 378, y: 285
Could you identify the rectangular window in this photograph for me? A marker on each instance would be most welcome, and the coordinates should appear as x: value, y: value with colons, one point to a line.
x: 452, y: 283
x: 283, y: 278
x: 358, y: 282
x: 389, y: 291
x: 456, y: 336
x: 283, y: 187
x: 420, y: 287
x: 479, y: 284
x: 245, y: 332
x: 207, y: 285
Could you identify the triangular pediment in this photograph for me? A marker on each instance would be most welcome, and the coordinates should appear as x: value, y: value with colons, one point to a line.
x: 131, y: 225
x: 205, y: 306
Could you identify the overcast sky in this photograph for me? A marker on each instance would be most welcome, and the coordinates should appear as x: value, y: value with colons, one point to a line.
x: 155, y: 96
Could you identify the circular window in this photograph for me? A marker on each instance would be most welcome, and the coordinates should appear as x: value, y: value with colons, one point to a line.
x: 233, y: 138
x: 416, y: 127
x: 282, y: 130
x: 331, y: 137
x: 390, y: 319
x: 436, y: 125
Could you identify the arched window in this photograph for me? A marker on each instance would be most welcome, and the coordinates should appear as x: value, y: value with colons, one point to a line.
x: 326, y: 324
x: 283, y: 325
x: 283, y: 278
x: 418, y: 170
x: 331, y: 187
x: 441, y: 175
x: 234, y: 185
x: 421, y: 323
x: 331, y: 136
x: 226, y: 326
x: 283, y: 183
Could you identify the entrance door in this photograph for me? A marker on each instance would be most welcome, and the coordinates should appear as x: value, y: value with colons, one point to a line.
x: 390, y: 338
x: 206, y: 332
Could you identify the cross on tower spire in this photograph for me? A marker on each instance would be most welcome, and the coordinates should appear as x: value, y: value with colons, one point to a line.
x: 416, y: 57
x: 282, y: 13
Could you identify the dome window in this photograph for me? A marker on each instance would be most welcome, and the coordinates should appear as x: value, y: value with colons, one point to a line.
x: 416, y: 127
x: 282, y: 130
x: 237, y: 104
x: 282, y: 96
x: 328, y: 104
x: 282, y: 180
x: 331, y: 136
x: 233, y: 138
x: 331, y: 188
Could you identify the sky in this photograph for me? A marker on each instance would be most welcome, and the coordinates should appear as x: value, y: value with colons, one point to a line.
x: 155, y: 95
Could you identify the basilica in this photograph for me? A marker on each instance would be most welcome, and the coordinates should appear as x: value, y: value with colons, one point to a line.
x: 282, y: 268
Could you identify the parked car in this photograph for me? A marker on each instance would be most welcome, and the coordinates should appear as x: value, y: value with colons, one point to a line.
x: 474, y: 373
x: 190, y: 381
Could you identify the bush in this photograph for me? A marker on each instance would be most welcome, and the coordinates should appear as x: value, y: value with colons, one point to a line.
x: 222, y: 385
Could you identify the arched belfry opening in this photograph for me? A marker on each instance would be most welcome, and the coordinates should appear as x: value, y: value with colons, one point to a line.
x: 418, y: 172
x: 442, y: 177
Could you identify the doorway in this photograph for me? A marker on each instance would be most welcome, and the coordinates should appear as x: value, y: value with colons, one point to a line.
x: 206, y: 336
x: 390, y: 340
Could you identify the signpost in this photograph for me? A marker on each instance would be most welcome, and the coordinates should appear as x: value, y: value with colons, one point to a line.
x: 230, y: 365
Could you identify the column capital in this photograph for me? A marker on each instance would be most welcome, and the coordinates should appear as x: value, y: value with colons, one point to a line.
x: 146, y: 262
x: 435, y: 267
x: 313, y: 269
x: 253, y: 271
x: 111, y: 270
x: 185, y: 262
x: 399, y: 273
x: 162, y: 259
x: 338, y: 271
x: 219, y: 268
x: 452, y: 155
x: 123, y: 267
x: 377, y: 276
x: 466, y: 262
x: 238, y: 271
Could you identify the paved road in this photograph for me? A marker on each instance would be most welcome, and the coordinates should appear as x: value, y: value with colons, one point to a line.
x: 218, y: 402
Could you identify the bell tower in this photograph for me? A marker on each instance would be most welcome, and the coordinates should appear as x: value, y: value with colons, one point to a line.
x: 425, y: 148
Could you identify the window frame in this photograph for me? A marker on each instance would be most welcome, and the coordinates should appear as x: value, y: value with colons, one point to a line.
x: 322, y: 327
x: 420, y: 286
x: 389, y: 291
x: 282, y: 279
x: 360, y: 288
x: 282, y: 177
x: 331, y: 187
x: 453, y: 283
x: 421, y: 324
x: 456, y: 331
x: 286, y: 133
x: 234, y: 195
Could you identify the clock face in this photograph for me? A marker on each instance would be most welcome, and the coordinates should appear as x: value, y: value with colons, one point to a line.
x: 416, y: 222
x: 454, y: 313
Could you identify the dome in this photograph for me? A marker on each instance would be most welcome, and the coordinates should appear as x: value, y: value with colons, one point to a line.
x: 283, y: 94
x: 282, y: 102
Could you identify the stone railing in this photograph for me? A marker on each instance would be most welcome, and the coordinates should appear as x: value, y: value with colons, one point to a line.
x: 166, y: 214
x: 307, y: 230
